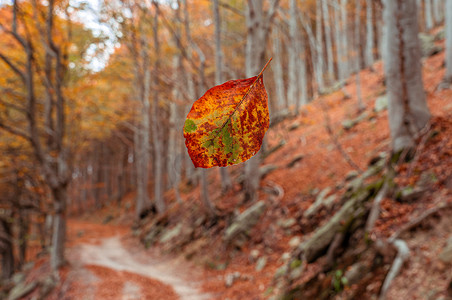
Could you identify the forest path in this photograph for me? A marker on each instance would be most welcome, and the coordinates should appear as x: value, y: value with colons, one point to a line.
x: 108, y: 263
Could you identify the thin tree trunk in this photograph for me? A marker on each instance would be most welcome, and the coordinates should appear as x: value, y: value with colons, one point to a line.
x: 191, y: 173
x: 293, y: 51
x: 278, y: 77
x: 370, y: 34
x: 316, y: 62
x: 338, y: 41
x: 428, y: 15
x: 448, y: 29
x: 226, y: 183
x: 201, y: 88
x: 139, y: 48
x: 302, y: 78
x: 357, y: 32
x: 6, y: 249
x: 23, y: 236
x: 258, y: 29
x: 438, y: 8
x: 344, y: 40
x: 319, y: 47
x: 360, y: 103
x: 328, y: 41
x: 156, y: 136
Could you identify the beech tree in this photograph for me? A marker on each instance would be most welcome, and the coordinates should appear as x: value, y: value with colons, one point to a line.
x: 448, y: 29
x: 225, y: 179
x: 44, y: 59
x: 258, y: 24
x: 408, y: 111
x: 369, y: 34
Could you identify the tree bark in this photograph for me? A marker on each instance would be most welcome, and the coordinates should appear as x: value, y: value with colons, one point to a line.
x: 338, y: 31
x: 369, y: 34
x: 226, y: 182
x: 328, y: 41
x: 438, y: 9
x: 317, y: 63
x: 156, y: 135
x: 344, y: 40
x: 49, y: 147
x: 302, y: 71
x: 258, y: 25
x: 278, y: 76
x: 408, y: 111
x: 191, y: 173
x: 357, y: 33
x: 320, y: 64
x: 59, y: 228
x: 448, y: 29
x: 428, y: 14
x: 6, y: 249
x: 293, y: 52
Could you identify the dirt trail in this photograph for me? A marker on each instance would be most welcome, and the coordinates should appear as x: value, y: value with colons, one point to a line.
x: 108, y: 264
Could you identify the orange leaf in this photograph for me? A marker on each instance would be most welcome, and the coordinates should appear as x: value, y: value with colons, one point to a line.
x: 226, y: 126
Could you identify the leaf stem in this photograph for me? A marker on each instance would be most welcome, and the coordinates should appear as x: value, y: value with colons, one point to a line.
x: 241, y: 101
x: 265, y: 67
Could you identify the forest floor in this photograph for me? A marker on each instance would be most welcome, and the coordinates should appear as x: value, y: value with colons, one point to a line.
x: 106, y: 262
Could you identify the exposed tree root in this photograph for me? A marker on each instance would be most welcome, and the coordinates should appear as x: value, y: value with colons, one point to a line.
x: 415, y: 222
x: 403, y: 252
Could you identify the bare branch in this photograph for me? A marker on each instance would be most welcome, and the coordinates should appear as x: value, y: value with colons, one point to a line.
x: 14, y: 131
x: 416, y: 221
x: 13, y: 106
x: 12, y: 66
x: 232, y: 9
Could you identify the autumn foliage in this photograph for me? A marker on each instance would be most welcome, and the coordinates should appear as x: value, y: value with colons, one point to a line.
x: 226, y: 126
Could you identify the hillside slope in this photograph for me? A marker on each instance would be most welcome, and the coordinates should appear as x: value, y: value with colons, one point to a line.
x: 309, y: 161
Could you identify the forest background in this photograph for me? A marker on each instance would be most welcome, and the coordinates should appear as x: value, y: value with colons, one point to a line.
x: 92, y: 112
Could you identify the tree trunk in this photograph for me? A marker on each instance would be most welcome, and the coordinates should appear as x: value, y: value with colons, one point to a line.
x: 59, y: 228
x: 23, y: 236
x: 139, y: 47
x: 174, y: 138
x: 360, y: 104
x: 338, y: 40
x: 438, y: 8
x: 191, y: 174
x: 156, y: 136
x: 254, y: 55
x: 302, y: 78
x: 226, y: 183
x: 142, y: 148
x: 357, y: 32
x: 278, y: 77
x: 408, y: 111
x: 319, y: 48
x: 448, y: 29
x: 328, y: 41
x: 370, y: 34
x: 258, y: 27
x: 292, y: 87
x: 6, y: 249
x: 317, y: 63
x: 344, y: 41
x: 428, y: 14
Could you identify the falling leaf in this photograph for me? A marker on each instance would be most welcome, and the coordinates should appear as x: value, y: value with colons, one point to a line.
x: 226, y: 126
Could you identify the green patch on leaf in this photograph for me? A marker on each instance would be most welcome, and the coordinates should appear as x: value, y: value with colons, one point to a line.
x: 190, y: 126
x: 227, y: 138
